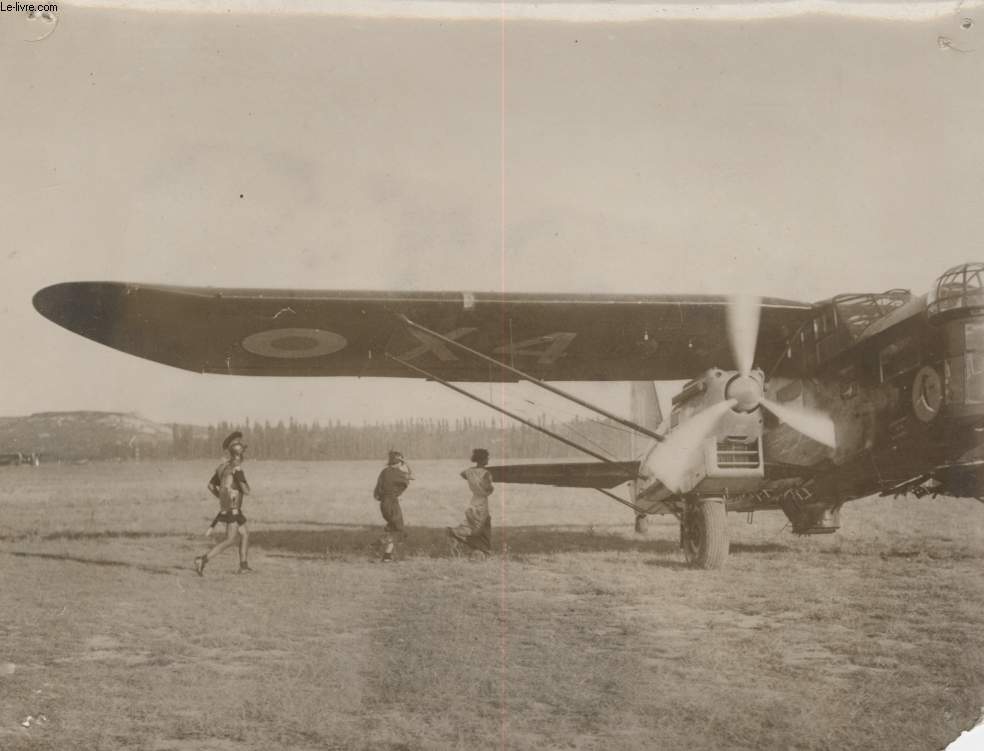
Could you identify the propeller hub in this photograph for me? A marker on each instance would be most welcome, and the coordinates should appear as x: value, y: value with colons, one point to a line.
x: 746, y: 390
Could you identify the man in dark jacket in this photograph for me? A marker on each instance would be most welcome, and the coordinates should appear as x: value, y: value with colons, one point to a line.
x: 392, y: 481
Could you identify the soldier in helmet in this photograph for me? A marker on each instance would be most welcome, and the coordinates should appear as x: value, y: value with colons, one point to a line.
x: 228, y: 484
x: 476, y: 531
x: 393, y: 480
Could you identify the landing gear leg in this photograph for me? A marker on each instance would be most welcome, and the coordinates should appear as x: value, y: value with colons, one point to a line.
x: 704, y: 533
x: 641, y: 524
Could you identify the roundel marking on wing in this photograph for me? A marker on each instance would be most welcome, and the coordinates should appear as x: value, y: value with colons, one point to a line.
x: 292, y: 344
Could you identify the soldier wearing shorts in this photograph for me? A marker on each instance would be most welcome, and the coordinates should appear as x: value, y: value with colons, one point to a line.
x: 228, y: 484
x: 392, y: 481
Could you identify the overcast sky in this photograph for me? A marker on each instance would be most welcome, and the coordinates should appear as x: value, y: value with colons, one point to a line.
x: 798, y: 157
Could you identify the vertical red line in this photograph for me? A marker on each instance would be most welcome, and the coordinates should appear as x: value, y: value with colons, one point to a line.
x: 503, y: 563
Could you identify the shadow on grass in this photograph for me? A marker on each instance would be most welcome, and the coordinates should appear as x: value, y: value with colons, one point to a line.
x: 738, y: 548
x: 100, y: 562
x: 107, y: 535
x: 354, y: 541
x: 71, y: 535
x: 931, y: 554
x: 433, y: 542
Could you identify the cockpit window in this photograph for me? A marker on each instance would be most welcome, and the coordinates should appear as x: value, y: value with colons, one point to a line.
x: 858, y: 312
x: 960, y: 287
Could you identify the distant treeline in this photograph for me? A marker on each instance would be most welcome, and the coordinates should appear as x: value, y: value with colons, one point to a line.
x: 418, y: 438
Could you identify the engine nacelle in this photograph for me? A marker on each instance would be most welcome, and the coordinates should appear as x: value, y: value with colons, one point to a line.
x: 729, y: 458
x: 743, y: 421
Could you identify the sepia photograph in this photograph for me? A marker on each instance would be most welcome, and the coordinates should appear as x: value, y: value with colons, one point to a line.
x: 398, y: 375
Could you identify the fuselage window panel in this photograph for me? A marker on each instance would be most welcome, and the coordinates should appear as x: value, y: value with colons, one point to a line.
x: 953, y: 372
x: 974, y: 362
x: 974, y: 336
x: 974, y: 390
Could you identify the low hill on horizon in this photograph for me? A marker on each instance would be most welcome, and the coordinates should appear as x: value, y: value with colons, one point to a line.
x: 85, y: 434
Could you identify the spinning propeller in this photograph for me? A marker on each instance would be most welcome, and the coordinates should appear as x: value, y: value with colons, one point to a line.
x: 745, y: 392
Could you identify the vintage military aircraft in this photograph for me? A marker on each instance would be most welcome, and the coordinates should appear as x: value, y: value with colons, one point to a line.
x: 790, y: 406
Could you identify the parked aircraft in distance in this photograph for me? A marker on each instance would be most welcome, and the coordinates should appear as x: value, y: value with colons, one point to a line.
x: 18, y: 457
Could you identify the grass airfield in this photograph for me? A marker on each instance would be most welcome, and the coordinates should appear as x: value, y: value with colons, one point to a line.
x: 579, y: 634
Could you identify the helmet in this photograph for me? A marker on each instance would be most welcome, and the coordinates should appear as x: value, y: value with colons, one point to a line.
x: 234, y: 442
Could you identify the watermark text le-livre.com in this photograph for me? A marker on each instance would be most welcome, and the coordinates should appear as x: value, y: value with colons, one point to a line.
x: 31, y: 8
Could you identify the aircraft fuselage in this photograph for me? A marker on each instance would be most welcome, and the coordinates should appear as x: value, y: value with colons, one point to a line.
x: 906, y: 397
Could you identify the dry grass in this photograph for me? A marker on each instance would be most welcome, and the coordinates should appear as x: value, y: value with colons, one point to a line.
x: 582, y: 636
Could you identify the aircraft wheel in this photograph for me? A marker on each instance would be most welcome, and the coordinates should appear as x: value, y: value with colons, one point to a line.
x: 704, y: 534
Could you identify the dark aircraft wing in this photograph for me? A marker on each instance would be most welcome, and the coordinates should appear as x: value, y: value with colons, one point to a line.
x: 268, y: 332
x: 568, y: 474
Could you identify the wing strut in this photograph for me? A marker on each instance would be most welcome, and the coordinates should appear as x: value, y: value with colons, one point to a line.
x: 637, y: 509
x: 506, y: 412
x: 532, y: 379
x: 526, y: 422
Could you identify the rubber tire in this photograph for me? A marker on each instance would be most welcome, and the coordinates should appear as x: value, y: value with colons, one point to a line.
x: 704, y: 536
